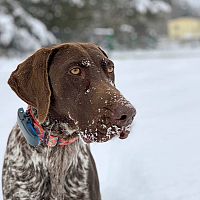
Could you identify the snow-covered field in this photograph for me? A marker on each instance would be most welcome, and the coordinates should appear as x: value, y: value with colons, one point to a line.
x: 161, y: 158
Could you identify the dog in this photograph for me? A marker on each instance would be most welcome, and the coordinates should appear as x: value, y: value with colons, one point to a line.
x: 72, y: 102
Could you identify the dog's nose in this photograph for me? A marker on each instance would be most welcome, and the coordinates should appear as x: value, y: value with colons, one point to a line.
x: 123, y: 115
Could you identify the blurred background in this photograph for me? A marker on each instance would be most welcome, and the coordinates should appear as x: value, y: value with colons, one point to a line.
x: 114, y: 24
x: 155, y: 45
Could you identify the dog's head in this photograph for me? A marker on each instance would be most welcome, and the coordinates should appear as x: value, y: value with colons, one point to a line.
x: 74, y: 84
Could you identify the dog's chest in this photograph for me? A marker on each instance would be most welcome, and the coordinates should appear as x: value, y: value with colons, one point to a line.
x: 68, y: 171
x: 59, y: 173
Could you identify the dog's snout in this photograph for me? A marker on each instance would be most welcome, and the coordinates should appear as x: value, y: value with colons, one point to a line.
x: 123, y: 115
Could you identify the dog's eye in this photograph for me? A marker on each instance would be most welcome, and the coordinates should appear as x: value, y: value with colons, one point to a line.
x: 75, y: 71
x: 110, y: 69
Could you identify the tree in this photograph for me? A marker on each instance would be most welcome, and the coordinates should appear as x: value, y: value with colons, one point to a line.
x: 77, y: 20
x: 19, y: 31
x: 68, y: 19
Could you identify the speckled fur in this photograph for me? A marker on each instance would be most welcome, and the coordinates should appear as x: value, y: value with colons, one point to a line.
x: 86, y: 104
x: 47, y: 173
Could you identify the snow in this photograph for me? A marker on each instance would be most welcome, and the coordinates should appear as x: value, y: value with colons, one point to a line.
x: 7, y: 29
x: 79, y: 3
x: 103, y: 31
x: 160, y: 159
x: 31, y: 36
x: 154, y: 6
x: 126, y: 28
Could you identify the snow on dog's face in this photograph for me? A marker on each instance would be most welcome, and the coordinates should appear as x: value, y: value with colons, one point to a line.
x: 73, y: 83
x: 84, y: 95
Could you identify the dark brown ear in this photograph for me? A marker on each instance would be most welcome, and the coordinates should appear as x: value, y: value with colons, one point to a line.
x: 30, y: 82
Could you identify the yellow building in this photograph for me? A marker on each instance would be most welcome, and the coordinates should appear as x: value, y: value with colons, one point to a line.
x: 184, y: 28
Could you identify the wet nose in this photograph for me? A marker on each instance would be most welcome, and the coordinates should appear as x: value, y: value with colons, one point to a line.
x: 123, y: 115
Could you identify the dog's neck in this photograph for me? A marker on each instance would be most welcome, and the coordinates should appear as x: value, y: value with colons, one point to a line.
x: 55, y: 127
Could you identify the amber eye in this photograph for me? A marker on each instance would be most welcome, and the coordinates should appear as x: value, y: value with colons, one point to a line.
x: 75, y: 71
x: 110, y: 69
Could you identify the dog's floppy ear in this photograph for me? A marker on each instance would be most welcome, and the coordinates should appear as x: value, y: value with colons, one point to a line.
x: 30, y: 82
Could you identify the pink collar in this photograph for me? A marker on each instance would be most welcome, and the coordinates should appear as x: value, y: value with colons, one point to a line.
x: 50, y: 140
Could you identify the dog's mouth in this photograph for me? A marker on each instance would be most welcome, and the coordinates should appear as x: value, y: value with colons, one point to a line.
x: 106, y: 124
x: 105, y: 135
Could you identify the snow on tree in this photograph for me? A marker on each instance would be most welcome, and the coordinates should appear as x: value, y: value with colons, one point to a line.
x: 130, y: 20
x: 155, y: 6
x: 19, y: 30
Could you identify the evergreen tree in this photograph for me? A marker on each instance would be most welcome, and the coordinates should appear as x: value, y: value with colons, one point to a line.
x: 130, y: 21
x: 20, y: 31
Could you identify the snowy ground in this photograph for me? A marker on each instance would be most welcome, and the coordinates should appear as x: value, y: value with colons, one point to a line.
x: 161, y: 158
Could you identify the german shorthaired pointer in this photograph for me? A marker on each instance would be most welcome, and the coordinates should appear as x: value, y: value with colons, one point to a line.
x: 72, y: 101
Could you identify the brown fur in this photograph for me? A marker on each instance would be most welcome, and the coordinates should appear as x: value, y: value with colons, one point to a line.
x: 88, y: 104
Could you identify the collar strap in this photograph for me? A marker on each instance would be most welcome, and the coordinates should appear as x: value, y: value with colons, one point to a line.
x: 34, y: 132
